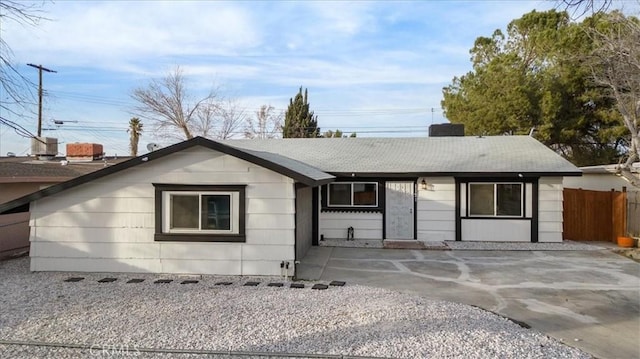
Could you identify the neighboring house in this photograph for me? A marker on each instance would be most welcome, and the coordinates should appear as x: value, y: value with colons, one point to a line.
x: 20, y: 176
x: 248, y: 207
x: 602, y: 178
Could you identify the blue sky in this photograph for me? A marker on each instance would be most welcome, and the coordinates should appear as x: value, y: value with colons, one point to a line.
x: 376, y: 68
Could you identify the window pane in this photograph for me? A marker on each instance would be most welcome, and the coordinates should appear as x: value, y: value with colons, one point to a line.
x: 509, y: 199
x: 340, y: 194
x: 364, y: 194
x: 481, y: 199
x: 216, y: 212
x: 184, y: 211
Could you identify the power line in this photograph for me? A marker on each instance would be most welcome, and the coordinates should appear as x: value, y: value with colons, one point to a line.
x: 40, y: 69
x: 318, y: 111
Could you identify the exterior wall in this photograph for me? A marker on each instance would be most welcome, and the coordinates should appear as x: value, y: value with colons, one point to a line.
x: 365, y: 225
x: 550, y: 209
x: 11, y: 191
x: 14, y: 228
x: 304, y: 221
x: 436, y: 216
x: 14, y: 234
x: 496, y: 230
x: 108, y: 224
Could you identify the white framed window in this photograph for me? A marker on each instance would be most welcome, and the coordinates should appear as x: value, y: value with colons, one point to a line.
x: 200, y: 213
x: 495, y: 199
x: 352, y: 194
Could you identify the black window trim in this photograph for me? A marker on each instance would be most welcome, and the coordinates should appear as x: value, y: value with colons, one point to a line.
x: 352, y: 194
x: 325, y: 208
x: 199, y: 237
x: 495, y: 215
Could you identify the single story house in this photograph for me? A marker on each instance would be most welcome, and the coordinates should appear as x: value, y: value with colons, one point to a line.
x: 254, y: 207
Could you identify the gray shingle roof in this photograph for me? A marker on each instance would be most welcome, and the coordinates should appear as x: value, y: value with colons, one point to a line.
x: 293, y: 165
x: 426, y: 155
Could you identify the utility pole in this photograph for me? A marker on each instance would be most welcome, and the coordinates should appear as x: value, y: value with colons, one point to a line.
x: 40, y: 69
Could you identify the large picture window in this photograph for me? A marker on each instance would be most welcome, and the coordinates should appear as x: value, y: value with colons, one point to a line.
x: 200, y: 213
x: 495, y: 199
x: 353, y: 194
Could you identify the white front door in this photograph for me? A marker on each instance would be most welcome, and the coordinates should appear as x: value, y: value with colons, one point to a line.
x: 399, y: 210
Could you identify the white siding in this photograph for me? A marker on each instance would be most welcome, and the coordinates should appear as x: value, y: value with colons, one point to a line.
x: 304, y: 221
x: 550, y: 209
x: 436, y: 209
x: 107, y: 225
x: 365, y: 225
x: 496, y: 230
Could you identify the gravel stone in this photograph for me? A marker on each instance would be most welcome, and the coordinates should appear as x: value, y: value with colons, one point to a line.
x: 350, y: 320
x: 506, y: 246
x: 356, y: 243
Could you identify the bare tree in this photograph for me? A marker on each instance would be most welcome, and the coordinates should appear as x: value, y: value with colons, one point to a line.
x: 267, y: 124
x: 615, y: 65
x: 17, y: 90
x: 582, y: 7
x: 221, y: 120
x: 231, y: 117
x: 172, y: 110
x: 205, y: 119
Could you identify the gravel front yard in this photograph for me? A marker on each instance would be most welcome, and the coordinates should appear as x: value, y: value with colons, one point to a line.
x: 349, y: 320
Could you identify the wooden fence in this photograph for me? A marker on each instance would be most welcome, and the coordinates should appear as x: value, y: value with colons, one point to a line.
x: 594, y: 215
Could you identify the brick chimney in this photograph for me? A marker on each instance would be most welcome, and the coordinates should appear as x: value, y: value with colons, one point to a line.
x: 84, y: 152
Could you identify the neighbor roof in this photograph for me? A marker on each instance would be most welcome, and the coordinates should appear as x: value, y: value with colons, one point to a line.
x: 439, y: 156
x: 300, y: 172
x: 609, y: 169
x: 28, y: 169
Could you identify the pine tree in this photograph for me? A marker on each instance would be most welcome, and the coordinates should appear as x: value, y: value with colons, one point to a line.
x: 299, y: 122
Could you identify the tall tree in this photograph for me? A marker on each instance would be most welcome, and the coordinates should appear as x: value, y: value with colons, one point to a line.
x: 532, y: 78
x: 135, y: 131
x: 267, y: 124
x: 299, y: 122
x: 173, y: 111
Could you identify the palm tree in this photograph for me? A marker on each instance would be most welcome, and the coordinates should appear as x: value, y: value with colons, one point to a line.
x: 135, y: 131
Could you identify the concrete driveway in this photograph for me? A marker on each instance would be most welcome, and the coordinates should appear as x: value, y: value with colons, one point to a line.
x: 587, y: 299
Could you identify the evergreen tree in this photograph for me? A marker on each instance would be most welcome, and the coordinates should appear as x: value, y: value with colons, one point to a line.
x: 299, y: 122
x: 336, y: 134
x: 535, y: 76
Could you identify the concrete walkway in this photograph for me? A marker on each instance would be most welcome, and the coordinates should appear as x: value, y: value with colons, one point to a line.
x: 587, y: 299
